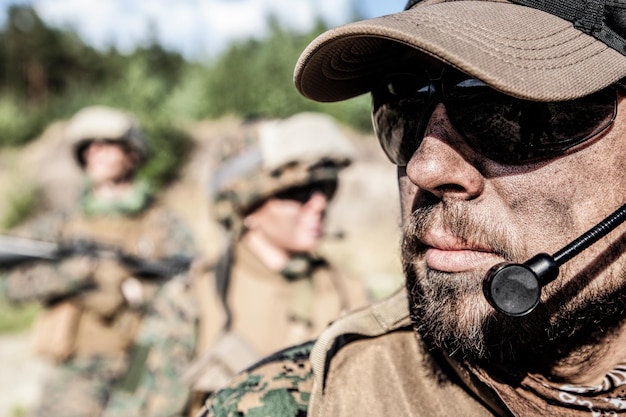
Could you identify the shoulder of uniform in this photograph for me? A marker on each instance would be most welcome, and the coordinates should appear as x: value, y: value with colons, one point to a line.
x: 280, y: 384
x: 379, y: 318
x: 202, y: 265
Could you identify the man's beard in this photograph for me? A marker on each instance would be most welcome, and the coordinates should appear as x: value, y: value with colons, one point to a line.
x: 450, y: 311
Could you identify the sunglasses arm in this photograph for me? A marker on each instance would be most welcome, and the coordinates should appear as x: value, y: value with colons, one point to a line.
x: 515, y: 289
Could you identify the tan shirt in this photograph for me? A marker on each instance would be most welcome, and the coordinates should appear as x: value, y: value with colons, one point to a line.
x: 394, y: 375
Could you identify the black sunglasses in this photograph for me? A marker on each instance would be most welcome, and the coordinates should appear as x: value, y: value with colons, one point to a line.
x: 502, y: 128
x: 303, y: 193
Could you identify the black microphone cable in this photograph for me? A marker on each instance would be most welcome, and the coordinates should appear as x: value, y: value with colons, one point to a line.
x: 515, y: 289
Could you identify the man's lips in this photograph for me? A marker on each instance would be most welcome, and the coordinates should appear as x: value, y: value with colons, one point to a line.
x: 448, y: 254
x: 460, y: 260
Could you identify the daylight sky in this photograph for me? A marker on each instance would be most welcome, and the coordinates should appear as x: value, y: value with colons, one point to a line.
x: 199, y: 29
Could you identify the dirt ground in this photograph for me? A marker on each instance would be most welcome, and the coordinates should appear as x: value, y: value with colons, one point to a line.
x: 365, y: 212
x: 21, y: 374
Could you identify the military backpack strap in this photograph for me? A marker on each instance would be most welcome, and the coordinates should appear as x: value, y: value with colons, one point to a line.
x: 223, y: 269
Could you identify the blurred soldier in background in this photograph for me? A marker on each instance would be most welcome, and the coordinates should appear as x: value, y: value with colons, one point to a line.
x: 93, y: 305
x: 268, y: 290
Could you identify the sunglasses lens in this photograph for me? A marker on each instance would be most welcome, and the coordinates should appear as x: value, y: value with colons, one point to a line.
x: 329, y: 188
x: 513, y: 131
x: 500, y: 127
x: 304, y: 193
x: 397, y: 108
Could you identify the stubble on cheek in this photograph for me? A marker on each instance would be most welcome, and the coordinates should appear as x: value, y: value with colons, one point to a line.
x: 449, y: 309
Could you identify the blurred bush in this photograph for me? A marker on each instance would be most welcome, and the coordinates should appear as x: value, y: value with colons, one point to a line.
x: 169, y: 147
x: 47, y: 74
x: 20, y: 202
x: 17, y: 126
x: 16, y: 318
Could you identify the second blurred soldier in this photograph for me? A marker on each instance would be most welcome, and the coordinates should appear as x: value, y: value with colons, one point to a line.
x: 269, y: 289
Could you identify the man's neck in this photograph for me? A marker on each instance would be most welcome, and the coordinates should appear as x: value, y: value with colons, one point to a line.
x: 272, y: 256
x: 589, y: 364
x: 112, y: 191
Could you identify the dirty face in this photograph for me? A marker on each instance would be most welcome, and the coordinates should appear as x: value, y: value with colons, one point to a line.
x: 463, y: 213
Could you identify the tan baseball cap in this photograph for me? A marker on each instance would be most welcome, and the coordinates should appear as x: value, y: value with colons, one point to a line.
x: 572, y: 49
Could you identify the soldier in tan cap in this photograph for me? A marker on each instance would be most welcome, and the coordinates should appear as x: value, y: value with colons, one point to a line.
x: 269, y: 289
x: 507, y: 122
x: 93, y: 304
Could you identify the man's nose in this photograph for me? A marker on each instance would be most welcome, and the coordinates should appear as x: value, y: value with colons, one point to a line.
x: 318, y: 202
x: 441, y: 164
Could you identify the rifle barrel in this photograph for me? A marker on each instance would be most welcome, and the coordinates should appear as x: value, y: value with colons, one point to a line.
x: 12, y: 247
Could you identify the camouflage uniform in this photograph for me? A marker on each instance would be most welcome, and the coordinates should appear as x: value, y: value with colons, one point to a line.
x: 375, y: 349
x: 279, y: 385
x: 88, y: 323
x: 397, y: 374
x: 201, y: 335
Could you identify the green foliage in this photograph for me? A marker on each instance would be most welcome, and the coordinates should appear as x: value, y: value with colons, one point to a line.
x: 169, y: 147
x: 187, y: 100
x: 17, y: 126
x: 256, y: 77
x: 17, y: 318
x: 50, y: 74
x: 21, y: 203
x: 18, y: 411
x: 42, y: 62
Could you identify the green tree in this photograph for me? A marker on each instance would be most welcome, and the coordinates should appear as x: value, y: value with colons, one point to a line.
x: 52, y: 74
x: 256, y: 77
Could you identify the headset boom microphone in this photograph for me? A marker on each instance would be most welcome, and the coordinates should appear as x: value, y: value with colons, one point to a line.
x: 515, y: 289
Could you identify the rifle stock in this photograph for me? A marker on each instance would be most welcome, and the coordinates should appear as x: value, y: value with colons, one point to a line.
x: 17, y: 250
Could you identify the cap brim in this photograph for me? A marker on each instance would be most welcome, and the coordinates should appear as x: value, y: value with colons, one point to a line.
x: 518, y: 50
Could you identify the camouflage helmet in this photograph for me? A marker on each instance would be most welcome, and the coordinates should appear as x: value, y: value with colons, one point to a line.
x: 104, y: 123
x: 270, y: 156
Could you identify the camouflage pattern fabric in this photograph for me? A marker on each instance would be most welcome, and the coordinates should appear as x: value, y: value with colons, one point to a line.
x: 81, y: 384
x: 169, y: 331
x: 105, y: 123
x: 263, y: 158
x: 80, y: 387
x: 173, y: 331
x: 279, y: 385
x: 243, y: 194
x: 46, y: 281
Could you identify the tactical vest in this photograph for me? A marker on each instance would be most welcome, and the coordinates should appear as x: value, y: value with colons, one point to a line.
x: 99, y: 321
x: 267, y: 312
x: 372, y: 363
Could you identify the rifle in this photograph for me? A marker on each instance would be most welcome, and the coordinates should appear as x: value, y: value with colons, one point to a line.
x: 16, y: 250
